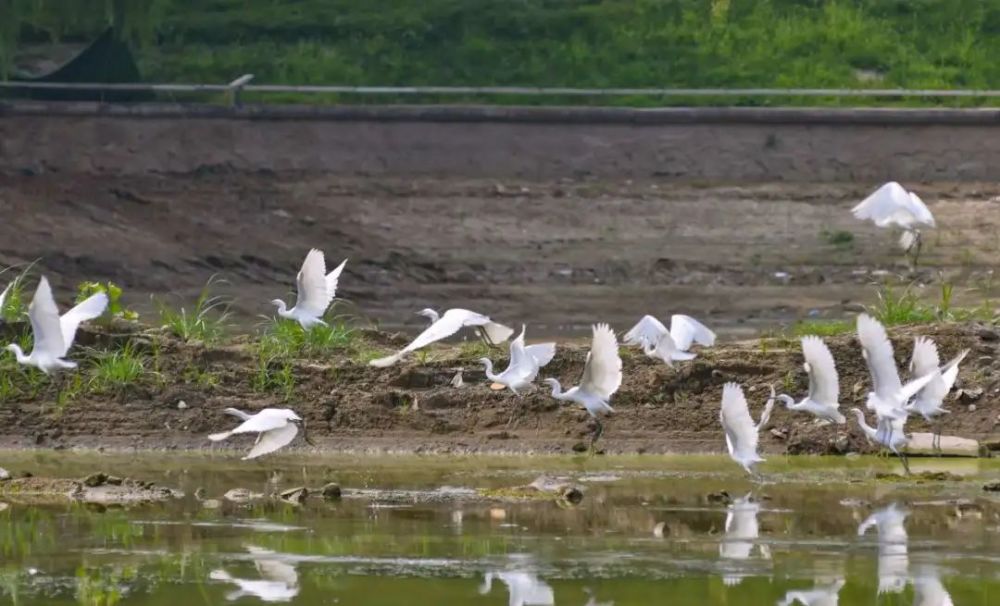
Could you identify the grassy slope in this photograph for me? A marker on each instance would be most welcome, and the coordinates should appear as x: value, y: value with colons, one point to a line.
x: 599, y: 43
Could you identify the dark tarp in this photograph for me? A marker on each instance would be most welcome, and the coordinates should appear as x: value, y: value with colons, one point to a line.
x: 106, y: 59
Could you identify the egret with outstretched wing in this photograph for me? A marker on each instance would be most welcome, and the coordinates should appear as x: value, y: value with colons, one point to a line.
x: 448, y: 324
x: 669, y: 345
x: 315, y: 290
x: 602, y: 376
x: 892, y: 205
x: 525, y: 362
x: 824, y: 384
x: 742, y: 434
x: 929, y: 401
x: 275, y: 429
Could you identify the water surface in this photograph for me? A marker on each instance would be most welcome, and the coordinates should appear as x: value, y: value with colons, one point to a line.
x: 649, y: 530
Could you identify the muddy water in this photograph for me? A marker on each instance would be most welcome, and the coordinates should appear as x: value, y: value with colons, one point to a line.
x: 416, y: 532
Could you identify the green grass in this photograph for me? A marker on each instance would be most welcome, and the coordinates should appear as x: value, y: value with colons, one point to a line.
x: 820, y: 328
x: 286, y: 338
x: 117, y: 369
x: 15, y: 306
x: 582, y: 43
x: 207, y: 322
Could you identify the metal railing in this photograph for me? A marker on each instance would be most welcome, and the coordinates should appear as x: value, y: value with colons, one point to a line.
x: 242, y: 84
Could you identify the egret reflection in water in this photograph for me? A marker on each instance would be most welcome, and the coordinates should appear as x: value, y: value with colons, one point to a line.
x: 928, y: 589
x: 893, y: 558
x: 742, y: 531
x: 524, y: 588
x: 821, y: 595
x: 278, y: 583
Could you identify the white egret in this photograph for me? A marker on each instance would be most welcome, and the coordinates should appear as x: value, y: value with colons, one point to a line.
x: 888, y: 396
x: 742, y: 531
x: 669, y: 345
x: 928, y: 401
x: 279, y: 581
x: 525, y: 362
x: 741, y: 432
x: 448, y: 324
x: 892, y: 205
x: 275, y: 428
x: 430, y: 314
x: 314, y: 290
x: 893, y: 559
x: 928, y: 589
x: 524, y: 588
x: 54, y: 335
x: 889, y: 432
x: 824, y: 384
x: 822, y: 595
x: 602, y: 376
x: 3, y: 298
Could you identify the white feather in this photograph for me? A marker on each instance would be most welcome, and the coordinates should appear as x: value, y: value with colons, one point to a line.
x: 447, y: 325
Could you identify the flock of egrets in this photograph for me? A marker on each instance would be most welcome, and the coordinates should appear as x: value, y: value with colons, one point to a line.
x: 891, y: 400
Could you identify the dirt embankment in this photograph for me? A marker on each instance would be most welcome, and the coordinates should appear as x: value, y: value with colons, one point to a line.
x: 558, y: 255
x: 413, y: 406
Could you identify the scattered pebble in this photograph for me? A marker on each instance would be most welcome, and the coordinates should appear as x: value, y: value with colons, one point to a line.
x: 658, y: 530
x: 779, y: 433
x: 992, y: 487
x: 331, y: 491
x: 182, y: 405
x: 296, y: 496
x: 972, y: 408
x: 457, y: 381
x: 4, y: 474
x: 969, y: 394
x: 498, y: 514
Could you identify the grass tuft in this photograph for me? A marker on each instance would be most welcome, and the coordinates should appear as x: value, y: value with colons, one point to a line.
x: 207, y: 322
x: 117, y: 369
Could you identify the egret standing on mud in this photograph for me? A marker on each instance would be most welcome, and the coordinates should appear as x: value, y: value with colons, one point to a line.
x: 275, y: 428
x: 929, y: 400
x: 824, y: 384
x: 742, y: 434
x: 314, y: 290
x: 891, y: 205
x: 602, y: 376
x: 446, y: 325
x: 669, y: 345
x: 525, y: 362
x: 54, y: 335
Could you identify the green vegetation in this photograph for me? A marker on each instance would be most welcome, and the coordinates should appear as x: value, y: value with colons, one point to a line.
x: 14, y: 306
x: 117, y: 369
x: 839, y: 239
x: 575, y: 43
x: 820, y: 328
x: 114, y: 293
x: 206, y: 323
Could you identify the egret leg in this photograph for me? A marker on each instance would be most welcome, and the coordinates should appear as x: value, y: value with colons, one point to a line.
x: 917, y: 246
x: 936, y: 439
x: 905, y: 460
x: 598, y: 431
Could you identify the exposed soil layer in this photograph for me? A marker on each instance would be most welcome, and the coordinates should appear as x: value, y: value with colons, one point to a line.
x: 558, y: 255
x: 413, y: 406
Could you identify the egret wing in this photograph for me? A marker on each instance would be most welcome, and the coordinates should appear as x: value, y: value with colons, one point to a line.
x: 603, y: 373
x: 497, y: 333
x: 685, y: 330
x: 313, y: 296
x: 542, y: 352
x: 520, y: 362
x: 878, y: 355
x: 270, y: 441
x: 90, y: 308
x: 239, y: 414
x: 736, y: 420
x: 919, y: 209
x: 648, y: 330
x: 824, y: 385
x: 925, y: 358
x: 3, y: 298
x: 333, y: 278
x: 949, y: 372
x: 265, y: 420
x: 44, y: 317
x: 884, y: 204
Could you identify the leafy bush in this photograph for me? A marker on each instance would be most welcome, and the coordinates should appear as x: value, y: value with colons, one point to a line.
x: 115, y: 308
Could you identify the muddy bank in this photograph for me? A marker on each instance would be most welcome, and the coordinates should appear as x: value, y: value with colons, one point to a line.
x: 413, y: 407
x: 558, y: 254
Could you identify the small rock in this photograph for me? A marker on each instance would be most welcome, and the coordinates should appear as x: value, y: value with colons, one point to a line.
x: 95, y: 479
x: 182, y: 405
x: 457, y: 381
x: 992, y: 487
x: 779, y: 433
x: 988, y: 334
x: 4, y: 474
x: 580, y: 447
x: 658, y: 529
x: 969, y: 394
x: 857, y: 387
x: 241, y: 495
x: 719, y: 497
x: 211, y: 503
x: 972, y: 408
x: 498, y: 514
x: 331, y: 491
x: 295, y: 495
x: 3, y: 506
x: 840, y: 444
x: 113, y: 480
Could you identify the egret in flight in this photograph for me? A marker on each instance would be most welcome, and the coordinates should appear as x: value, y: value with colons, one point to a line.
x: 929, y: 400
x: 891, y: 205
x: 275, y: 428
x: 824, y: 385
x: 54, y: 335
x: 525, y: 362
x: 602, y: 376
x: 314, y: 290
x: 889, y: 432
x: 741, y: 432
x: 889, y: 396
x: 669, y: 345
x: 445, y: 326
